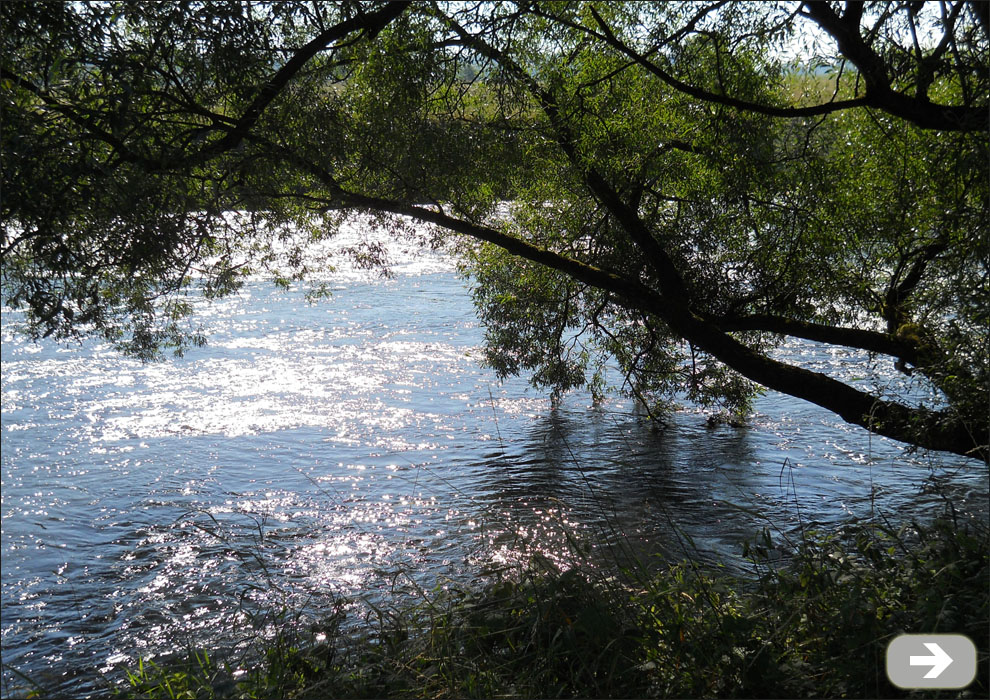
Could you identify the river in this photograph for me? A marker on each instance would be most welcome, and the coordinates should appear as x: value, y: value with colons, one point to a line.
x: 333, y: 449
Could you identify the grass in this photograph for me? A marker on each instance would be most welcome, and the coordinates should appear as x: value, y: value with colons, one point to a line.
x: 813, y: 624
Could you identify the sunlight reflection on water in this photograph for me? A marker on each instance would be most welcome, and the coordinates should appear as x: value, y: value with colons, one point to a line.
x: 346, y: 447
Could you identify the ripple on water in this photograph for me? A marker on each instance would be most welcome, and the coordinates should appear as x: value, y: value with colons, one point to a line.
x: 312, y: 451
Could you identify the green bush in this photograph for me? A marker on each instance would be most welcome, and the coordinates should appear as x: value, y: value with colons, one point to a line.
x: 819, y: 624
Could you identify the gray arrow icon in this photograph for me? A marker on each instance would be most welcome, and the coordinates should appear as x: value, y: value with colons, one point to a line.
x: 931, y: 661
x: 939, y: 660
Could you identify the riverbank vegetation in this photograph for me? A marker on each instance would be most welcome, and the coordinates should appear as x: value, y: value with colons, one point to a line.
x: 814, y: 622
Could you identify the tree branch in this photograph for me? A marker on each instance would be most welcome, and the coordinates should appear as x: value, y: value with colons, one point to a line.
x: 879, y: 93
x: 670, y: 280
x: 372, y: 22
x: 871, y: 341
x: 608, y: 36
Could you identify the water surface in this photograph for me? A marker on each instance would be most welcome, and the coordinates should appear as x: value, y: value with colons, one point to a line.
x: 312, y: 451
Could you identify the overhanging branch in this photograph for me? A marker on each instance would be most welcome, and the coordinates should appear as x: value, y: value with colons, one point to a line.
x: 871, y: 341
x: 672, y: 303
x: 234, y: 134
x: 939, y: 430
x: 922, y: 112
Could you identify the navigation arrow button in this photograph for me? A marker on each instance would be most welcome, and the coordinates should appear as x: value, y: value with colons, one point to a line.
x: 950, y: 662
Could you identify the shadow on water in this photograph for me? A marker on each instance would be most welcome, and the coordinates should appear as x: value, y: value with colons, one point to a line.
x: 623, y: 483
x: 689, y: 489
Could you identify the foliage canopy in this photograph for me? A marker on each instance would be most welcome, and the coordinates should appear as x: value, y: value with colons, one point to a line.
x: 654, y: 184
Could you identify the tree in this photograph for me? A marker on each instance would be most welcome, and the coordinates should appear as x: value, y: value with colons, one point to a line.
x: 654, y: 183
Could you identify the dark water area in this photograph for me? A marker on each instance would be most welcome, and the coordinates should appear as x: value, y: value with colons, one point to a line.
x: 334, y: 449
